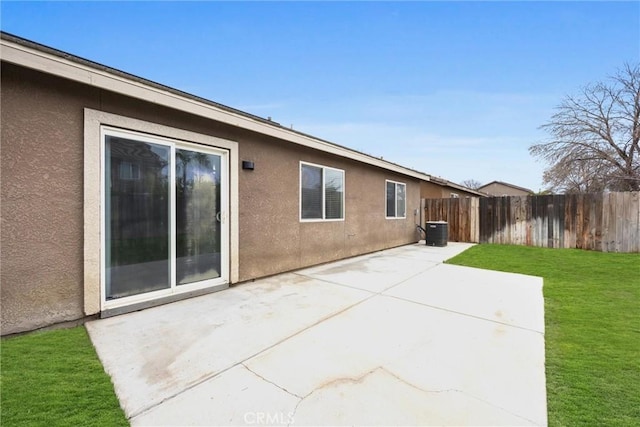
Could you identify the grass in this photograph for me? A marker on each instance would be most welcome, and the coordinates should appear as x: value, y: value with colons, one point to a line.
x: 55, y: 378
x: 592, y: 319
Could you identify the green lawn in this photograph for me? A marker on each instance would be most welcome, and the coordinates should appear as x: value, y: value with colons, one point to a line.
x: 54, y: 378
x: 592, y: 318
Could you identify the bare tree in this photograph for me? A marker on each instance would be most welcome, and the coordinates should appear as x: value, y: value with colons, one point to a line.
x: 595, y: 137
x: 472, y: 184
x: 576, y: 176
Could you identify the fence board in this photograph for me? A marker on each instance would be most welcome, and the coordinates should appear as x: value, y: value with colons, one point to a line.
x: 635, y: 228
x: 603, y: 222
x: 613, y: 226
x: 625, y: 204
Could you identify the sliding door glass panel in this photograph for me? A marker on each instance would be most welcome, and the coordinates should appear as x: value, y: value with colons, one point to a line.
x: 136, y: 217
x: 198, y: 206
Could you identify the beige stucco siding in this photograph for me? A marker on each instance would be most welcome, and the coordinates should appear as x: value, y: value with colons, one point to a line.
x: 272, y: 239
x: 41, y: 187
x: 41, y: 266
x: 433, y: 190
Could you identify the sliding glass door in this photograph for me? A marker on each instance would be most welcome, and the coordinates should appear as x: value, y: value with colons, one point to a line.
x: 164, y: 211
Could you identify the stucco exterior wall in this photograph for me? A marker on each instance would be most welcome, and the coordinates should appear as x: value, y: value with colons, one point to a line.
x: 272, y: 239
x: 41, y: 208
x: 41, y: 266
x: 431, y: 190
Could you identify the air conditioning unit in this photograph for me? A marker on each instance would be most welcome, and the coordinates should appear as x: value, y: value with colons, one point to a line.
x: 437, y: 233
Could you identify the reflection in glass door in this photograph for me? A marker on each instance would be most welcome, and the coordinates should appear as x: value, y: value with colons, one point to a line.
x: 197, y: 216
x: 136, y: 217
x: 164, y: 222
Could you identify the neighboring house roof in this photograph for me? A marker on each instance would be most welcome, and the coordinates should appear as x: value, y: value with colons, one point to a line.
x: 33, y: 55
x: 507, y: 185
x: 453, y: 185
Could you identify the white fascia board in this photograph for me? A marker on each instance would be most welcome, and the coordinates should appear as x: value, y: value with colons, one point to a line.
x: 61, y: 67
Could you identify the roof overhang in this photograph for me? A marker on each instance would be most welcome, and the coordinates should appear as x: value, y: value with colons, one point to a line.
x: 453, y: 185
x: 34, y: 56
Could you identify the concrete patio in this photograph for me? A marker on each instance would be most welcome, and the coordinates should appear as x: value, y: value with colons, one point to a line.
x: 391, y: 338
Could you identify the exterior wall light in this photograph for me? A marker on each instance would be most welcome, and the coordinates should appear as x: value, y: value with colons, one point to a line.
x: 247, y: 165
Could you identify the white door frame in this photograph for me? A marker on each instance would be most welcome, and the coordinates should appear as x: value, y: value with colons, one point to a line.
x: 95, y: 122
x: 220, y: 282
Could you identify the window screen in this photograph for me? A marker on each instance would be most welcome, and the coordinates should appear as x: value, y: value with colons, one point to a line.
x: 321, y: 192
x: 391, y: 199
x: 396, y: 199
x: 333, y: 190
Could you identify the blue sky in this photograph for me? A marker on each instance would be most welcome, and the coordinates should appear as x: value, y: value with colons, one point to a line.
x: 455, y: 89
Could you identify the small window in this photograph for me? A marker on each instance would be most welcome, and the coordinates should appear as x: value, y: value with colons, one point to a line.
x: 396, y: 199
x: 321, y: 192
x: 454, y: 195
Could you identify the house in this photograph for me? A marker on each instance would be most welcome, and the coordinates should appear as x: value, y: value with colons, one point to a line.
x: 499, y: 189
x: 119, y: 193
x: 439, y: 188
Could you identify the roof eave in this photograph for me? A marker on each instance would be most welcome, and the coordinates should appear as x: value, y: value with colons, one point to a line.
x: 47, y: 60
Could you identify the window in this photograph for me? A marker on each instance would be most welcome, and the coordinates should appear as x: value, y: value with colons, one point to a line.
x: 321, y: 192
x: 454, y: 195
x: 396, y: 199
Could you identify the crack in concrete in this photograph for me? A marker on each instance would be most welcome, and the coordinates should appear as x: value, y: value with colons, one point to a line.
x: 402, y: 380
x: 359, y: 379
x: 324, y: 385
x: 456, y: 391
x: 271, y: 382
x: 295, y: 411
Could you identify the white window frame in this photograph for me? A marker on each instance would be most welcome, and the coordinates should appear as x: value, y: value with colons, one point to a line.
x: 324, y: 213
x: 395, y: 199
x: 455, y: 196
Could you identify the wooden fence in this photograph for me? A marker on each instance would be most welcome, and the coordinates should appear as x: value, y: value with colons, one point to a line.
x: 461, y: 214
x: 607, y: 222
